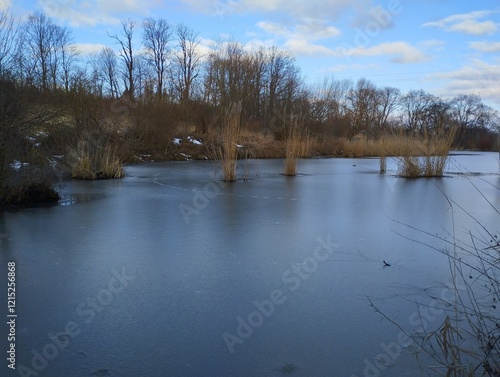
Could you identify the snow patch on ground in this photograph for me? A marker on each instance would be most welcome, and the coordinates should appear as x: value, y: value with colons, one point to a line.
x: 194, y: 141
x: 177, y: 140
x: 16, y: 165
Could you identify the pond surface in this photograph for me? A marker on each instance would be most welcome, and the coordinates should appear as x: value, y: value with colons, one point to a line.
x: 170, y: 272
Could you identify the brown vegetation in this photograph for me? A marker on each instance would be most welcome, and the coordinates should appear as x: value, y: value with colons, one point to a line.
x: 128, y: 106
x: 90, y: 160
x: 430, y: 157
x: 226, y: 148
x: 297, y: 144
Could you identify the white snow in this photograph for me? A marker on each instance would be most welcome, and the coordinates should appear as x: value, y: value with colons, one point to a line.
x: 16, y: 165
x: 194, y: 141
x: 186, y: 156
x: 176, y: 141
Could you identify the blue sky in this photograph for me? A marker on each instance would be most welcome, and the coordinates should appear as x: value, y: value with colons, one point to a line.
x: 446, y: 47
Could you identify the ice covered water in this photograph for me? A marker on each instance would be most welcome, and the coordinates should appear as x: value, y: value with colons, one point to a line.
x: 171, y: 272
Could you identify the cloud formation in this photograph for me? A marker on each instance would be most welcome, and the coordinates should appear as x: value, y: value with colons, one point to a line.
x: 301, y: 38
x: 477, y: 77
x: 5, y: 4
x: 321, y: 9
x: 490, y: 47
x: 88, y: 48
x: 467, y: 23
x: 400, y: 52
x: 93, y: 12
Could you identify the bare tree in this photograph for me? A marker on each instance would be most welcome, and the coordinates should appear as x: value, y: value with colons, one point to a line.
x: 127, y: 55
x: 387, y: 103
x: 326, y: 104
x: 107, y: 65
x: 228, y: 71
x: 8, y: 42
x: 142, y: 75
x: 38, y: 36
x: 92, y: 74
x: 48, y: 56
x: 258, y: 83
x: 68, y: 56
x: 157, y: 35
x: 361, y: 107
x: 415, y: 105
x: 279, y: 66
x: 186, y: 63
x: 468, y: 111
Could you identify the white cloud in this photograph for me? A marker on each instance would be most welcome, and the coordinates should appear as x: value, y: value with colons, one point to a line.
x: 401, y: 52
x: 302, y: 47
x: 313, y: 30
x: 88, y: 48
x: 5, y: 4
x: 298, y: 9
x: 318, y: 9
x: 467, y: 23
x: 205, y: 47
x: 380, y: 16
x: 274, y: 28
x: 94, y: 12
x: 478, y: 77
x: 485, y: 46
x: 301, y: 38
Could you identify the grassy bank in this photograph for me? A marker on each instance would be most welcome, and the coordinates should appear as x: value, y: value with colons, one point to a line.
x: 260, y: 145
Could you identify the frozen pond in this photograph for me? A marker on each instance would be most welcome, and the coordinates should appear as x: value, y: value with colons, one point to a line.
x: 169, y: 272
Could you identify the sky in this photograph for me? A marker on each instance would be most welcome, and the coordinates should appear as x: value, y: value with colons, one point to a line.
x: 446, y: 47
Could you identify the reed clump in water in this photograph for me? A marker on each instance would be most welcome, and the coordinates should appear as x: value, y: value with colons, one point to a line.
x: 429, y: 155
x: 297, y: 144
x: 226, y: 150
x: 93, y: 159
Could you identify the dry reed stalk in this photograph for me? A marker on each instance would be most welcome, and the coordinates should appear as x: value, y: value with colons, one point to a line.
x: 297, y: 145
x: 89, y: 161
x: 430, y: 161
x: 227, y: 151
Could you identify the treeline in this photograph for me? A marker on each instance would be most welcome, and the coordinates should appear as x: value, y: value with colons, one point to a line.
x: 159, y: 62
x: 155, y: 80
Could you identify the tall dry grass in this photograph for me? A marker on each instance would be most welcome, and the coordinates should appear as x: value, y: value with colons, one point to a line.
x: 297, y: 144
x: 417, y: 155
x: 226, y: 150
x: 428, y: 156
x: 94, y: 159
